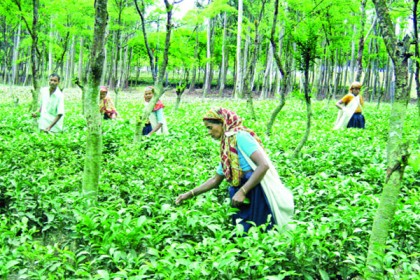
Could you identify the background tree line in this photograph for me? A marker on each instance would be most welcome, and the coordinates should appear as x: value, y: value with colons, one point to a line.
x: 210, y: 47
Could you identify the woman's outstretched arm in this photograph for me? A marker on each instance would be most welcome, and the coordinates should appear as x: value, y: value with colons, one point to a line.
x: 208, y: 185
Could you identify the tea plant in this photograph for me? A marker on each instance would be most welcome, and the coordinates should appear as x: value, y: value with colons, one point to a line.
x: 137, y: 232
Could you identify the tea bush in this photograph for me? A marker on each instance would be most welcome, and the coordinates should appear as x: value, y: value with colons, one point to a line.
x: 136, y: 232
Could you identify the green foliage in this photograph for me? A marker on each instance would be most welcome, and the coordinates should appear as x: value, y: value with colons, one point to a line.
x: 135, y: 231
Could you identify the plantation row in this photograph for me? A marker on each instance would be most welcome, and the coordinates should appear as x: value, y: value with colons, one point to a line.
x: 137, y: 232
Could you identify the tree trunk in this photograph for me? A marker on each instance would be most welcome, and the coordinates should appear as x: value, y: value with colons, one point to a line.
x: 93, y: 118
x: 195, y: 65
x: 140, y: 11
x: 285, y: 74
x: 105, y: 67
x: 50, y: 48
x: 15, y: 64
x: 70, y: 64
x: 223, y: 66
x: 308, y: 110
x: 252, y: 65
x: 35, y: 54
x: 337, y: 74
x: 321, y: 87
x: 159, y: 81
x: 361, y: 40
x: 238, y: 79
x: 397, y: 148
x: 207, y: 77
x: 80, y: 64
x: 417, y: 55
x: 267, y: 73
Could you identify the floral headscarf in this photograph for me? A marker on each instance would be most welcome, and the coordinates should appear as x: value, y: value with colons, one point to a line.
x: 231, y: 124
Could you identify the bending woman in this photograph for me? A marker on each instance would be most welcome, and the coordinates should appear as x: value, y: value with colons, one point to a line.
x: 259, y: 197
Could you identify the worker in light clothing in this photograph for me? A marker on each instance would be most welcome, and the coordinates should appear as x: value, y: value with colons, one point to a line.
x: 51, y: 111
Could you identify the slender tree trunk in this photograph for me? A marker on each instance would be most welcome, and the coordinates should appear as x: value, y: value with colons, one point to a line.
x: 127, y: 69
x: 159, y: 81
x: 50, y: 48
x: 250, y: 70
x: 417, y: 55
x: 285, y: 74
x: 35, y: 54
x: 207, y: 77
x: 239, y: 80
x: 15, y: 57
x: 389, y: 81
x: 223, y: 66
x: 266, y: 80
x: 245, y: 60
x: 105, y: 67
x: 352, y: 59
x: 140, y: 11
x: 361, y: 40
x: 397, y: 149
x: 93, y: 155
x: 308, y: 110
x: 375, y: 89
x: 70, y: 65
x: 195, y: 65
x: 27, y: 71
x: 337, y: 73
x: 80, y: 64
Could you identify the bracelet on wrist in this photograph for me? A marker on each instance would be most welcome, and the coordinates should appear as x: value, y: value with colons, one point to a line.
x: 243, y: 190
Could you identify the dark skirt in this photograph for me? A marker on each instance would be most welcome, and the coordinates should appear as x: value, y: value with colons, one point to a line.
x: 257, y: 211
x: 147, y: 129
x: 357, y: 121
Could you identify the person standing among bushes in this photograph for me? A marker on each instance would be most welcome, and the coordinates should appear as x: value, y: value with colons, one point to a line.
x: 256, y: 189
x: 350, y: 106
x: 156, y: 122
x: 51, y: 111
x: 106, y: 106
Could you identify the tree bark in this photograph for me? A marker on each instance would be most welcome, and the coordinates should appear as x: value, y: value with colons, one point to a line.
x: 285, y: 75
x: 35, y: 54
x: 223, y: 66
x: 93, y: 155
x: 207, y: 77
x: 195, y: 64
x: 239, y: 80
x: 265, y: 91
x: 15, y: 56
x: 253, y: 64
x: 80, y: 64
x: 308, y: 116
x: 397, y: 155
x: 150, y: 54
x: 361, y: 40
x: 417, y: 55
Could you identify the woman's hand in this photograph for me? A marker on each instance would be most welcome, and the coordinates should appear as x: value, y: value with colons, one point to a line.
x: 183, y: 197
x: 239, y: 198
x: 208, y: 185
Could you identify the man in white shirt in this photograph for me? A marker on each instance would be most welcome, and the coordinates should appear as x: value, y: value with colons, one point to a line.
x: 52, y: 107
